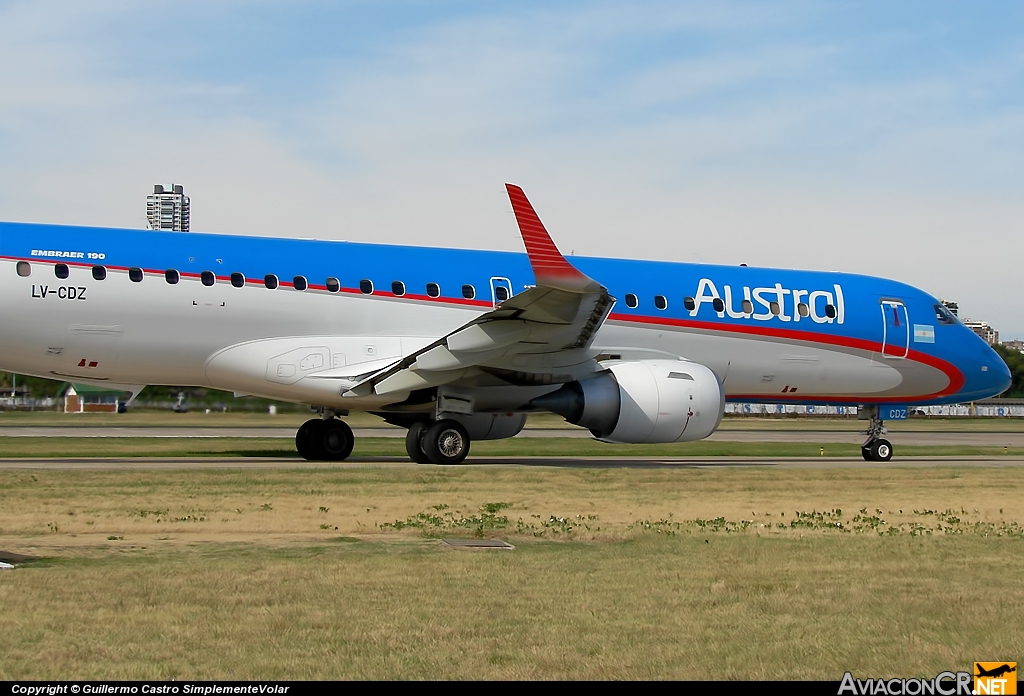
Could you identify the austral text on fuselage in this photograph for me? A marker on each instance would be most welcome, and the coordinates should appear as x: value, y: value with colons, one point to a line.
x: 820, y: 306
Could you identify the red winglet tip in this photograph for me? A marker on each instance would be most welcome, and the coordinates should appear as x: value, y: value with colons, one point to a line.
x: 549, y: 266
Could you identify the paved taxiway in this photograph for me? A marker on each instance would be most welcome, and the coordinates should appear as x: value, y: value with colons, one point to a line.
x: 977, y: 439
x: 172, y: 463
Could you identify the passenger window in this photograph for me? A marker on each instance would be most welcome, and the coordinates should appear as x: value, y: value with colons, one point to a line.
x: 631, y: 300
x: 660, y: 301
x: 776, y: 309
x: 468, y: 291
x: 299, y: 283
x: 171, y: 276
x: 803, y: 309
x: 689, y: 303
x: 748, y: 307
x: 99, y: 272
x: 433, y: 290
x: 270, y: 281
x: 366, y: 286
x: 501, y: 293
x: 24, y: 269
x: 397, y: 288
x: 718, y: 304
x: 135, y: 274
x: 333, y: 285
x: 61, y: 270
x: 830, y: 311
x: 238, y: 280
x: 207, y: 278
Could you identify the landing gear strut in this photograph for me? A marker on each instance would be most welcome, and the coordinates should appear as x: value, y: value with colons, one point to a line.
x: 876, y: 448
x: 327, y: 439
x: 443, y: 442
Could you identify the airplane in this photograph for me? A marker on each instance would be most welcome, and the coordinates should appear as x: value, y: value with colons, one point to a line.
x: 995, y: 671
x: 460, y: 345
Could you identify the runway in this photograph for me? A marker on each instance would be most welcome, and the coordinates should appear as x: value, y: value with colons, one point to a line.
x: 979, y: 439
x: 256, y: 463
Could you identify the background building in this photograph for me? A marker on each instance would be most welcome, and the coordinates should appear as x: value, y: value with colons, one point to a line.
x: 1015, y: 344
x: 168, y: 209
x: 982, y: 328
x: 990, y: 335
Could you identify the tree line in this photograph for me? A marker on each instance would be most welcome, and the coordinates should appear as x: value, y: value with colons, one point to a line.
x: 1015, y: 361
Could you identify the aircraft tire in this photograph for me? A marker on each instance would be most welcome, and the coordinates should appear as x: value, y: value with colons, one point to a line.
x: 336, y: 440
x: 865, y: 452
x: 881, y: 451
x: 446, y: 442
x: 308, y: 439
x: 414, y: 443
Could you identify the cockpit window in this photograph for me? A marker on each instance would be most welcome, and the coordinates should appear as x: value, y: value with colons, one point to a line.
x: 943, y: 315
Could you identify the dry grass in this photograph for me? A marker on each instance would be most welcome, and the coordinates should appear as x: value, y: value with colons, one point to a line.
x: 737, y: 607
x: 205, y: 505
x: 228, y: 574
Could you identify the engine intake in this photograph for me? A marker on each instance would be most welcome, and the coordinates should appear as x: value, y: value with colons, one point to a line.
x: 643, y: 401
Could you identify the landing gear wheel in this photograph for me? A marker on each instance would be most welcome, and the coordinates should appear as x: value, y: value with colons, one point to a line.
x: 414, y: 443
x: 336, y: 440
x: 865, y: 452
x: 446, y: 442
x: 308, y: 440
x: 881, y: 450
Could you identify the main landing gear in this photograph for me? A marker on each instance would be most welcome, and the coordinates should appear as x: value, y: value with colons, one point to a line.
x: 876, y: 448
x: 327, y: 439
x: 441, y: 442
x: 438, y: 442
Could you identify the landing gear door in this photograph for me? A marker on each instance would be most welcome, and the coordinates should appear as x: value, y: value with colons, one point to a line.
x: 895, y: 329
x: 501, y: 290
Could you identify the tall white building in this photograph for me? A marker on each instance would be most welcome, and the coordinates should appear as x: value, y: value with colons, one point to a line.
x: 167, y: 209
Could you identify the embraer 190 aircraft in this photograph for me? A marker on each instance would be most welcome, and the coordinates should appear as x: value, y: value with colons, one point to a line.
x: 457, y: 345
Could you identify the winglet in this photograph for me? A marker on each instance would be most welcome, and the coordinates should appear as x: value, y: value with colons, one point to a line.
x: 549, y: 266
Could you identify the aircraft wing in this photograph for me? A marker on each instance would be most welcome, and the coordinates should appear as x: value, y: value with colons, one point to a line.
x: 551, y: 323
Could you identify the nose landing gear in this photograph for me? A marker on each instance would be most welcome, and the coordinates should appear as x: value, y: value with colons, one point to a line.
x: 876, y: 448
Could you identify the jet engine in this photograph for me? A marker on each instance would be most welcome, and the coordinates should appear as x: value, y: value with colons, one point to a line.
x: 642, y: 401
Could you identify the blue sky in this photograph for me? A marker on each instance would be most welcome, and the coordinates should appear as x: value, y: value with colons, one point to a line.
x: 870, y: 137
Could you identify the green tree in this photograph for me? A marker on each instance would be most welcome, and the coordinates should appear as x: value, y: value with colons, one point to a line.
x: 1015, y: 361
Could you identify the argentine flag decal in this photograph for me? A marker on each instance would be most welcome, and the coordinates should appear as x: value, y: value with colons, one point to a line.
x: 923, y: 333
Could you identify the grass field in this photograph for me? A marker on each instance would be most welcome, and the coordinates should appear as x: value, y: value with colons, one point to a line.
x: 618, y: 573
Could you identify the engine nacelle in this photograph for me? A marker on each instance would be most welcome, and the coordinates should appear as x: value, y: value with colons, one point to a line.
x: 643, y: 401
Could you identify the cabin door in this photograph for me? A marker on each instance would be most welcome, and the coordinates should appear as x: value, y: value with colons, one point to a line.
x: 895, y: 329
